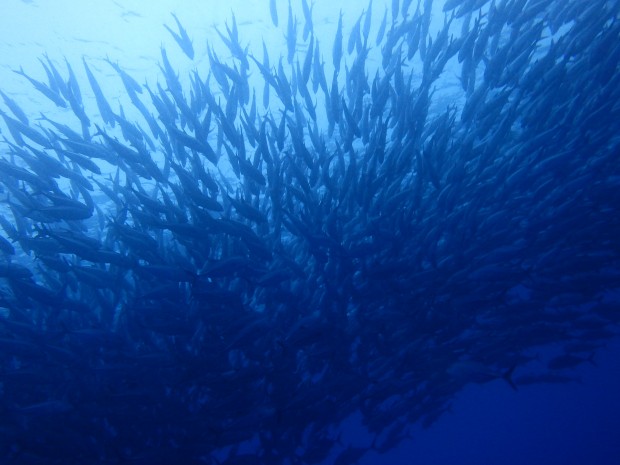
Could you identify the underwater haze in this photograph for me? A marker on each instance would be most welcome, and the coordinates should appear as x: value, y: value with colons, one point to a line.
x: 310, y: 232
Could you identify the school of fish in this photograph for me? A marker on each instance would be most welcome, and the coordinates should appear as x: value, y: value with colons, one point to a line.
x: 230, y: 276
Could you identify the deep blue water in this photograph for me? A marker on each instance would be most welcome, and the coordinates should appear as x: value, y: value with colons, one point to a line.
x: 246, y: 251
x: 564, y: 424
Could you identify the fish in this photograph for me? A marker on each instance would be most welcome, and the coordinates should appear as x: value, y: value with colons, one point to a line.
x: 291, y: 34
x: 475, y: 372
x: 130, y: 83
x: 15, y: 108
x: 308, y: 26
x: 243, y: 270
x: 395, y: 10
x: 565, y: 361
x: 232, y: 42
x: 182, y: 38
x: 382, y: 28
x: 57, y: 82
x: 51, y: 94
x: 104, y: 107
x: 307, y: 66
x: 351, y: 455
x: 19, y: 130
x: 337, y: 47
x: 273, y: 10
x: 354, y: 37
x: 367, y: 21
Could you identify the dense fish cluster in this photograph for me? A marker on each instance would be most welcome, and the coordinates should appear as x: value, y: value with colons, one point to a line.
x: 229, y: 277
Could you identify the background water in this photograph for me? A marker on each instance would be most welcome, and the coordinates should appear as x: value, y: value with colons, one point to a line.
x: 578, y: 423
x: 543, y: 424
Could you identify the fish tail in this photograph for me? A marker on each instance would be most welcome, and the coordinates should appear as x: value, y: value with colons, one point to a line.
x: 507, y: 376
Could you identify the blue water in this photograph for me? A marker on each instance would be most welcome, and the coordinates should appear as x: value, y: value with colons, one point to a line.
x: 264, y: 306
x: 562, y: 424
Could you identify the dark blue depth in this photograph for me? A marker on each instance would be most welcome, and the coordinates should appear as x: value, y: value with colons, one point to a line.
x: 332, y: 252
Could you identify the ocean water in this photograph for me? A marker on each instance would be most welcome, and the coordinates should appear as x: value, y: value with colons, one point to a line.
x: 566, y: 424
x: 423, y: 248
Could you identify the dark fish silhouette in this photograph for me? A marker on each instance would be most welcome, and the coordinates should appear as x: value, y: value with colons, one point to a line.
x: 182, y: 38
